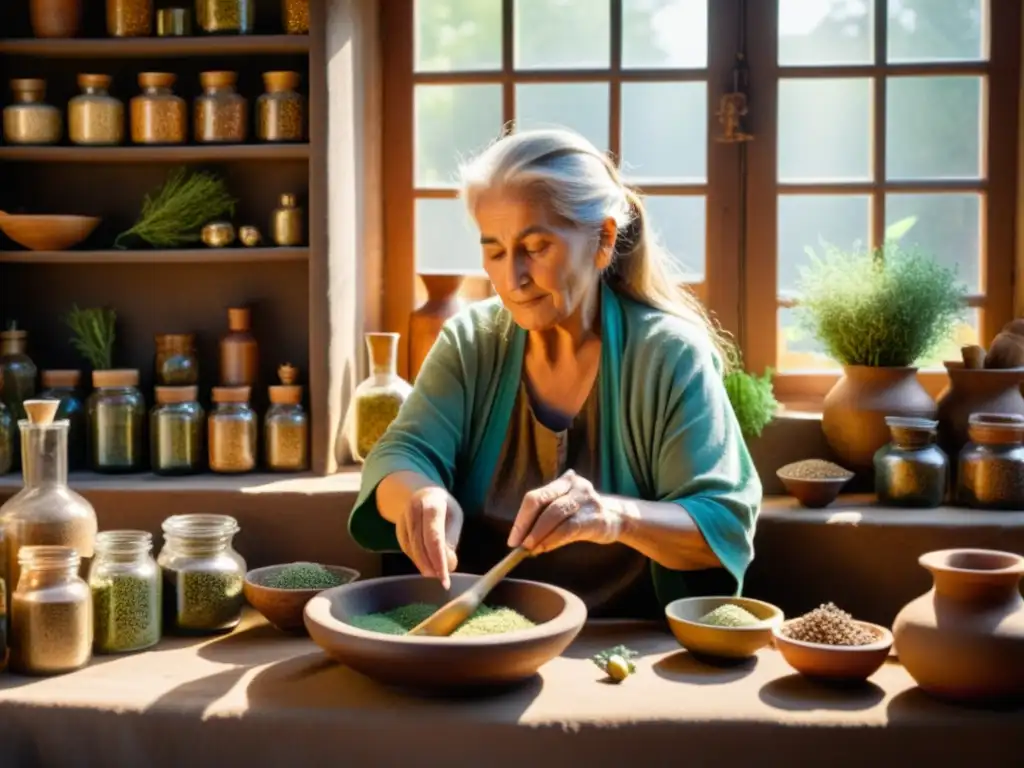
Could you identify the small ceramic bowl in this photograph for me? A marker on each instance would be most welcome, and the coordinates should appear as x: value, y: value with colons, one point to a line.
x: 814, y: 493
x: 835, y: 663
x: 284, y: 607
x: 726, y: 643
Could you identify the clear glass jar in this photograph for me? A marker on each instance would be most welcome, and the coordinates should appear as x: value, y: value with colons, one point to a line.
x: 295, y: 16
x: 129, y: 18
x: 221, y: 114
x: 6, y: 440
x: 281, y: 111
x: 63, y: 387
x: 286, y: 426
x: 226, y: 17
x: 911, y: 471
x: 176, y: 431
x: 51, y: 613
x: 158, y: 116
x: 378, y: 398
x: 117, y: 419
x: 991, y: 472
x: 202, y: 574
x: 17, y: 379
x: 126, y: 585
x: 29, y: 120
x: 95, y: 118
x: 231, y: 431
x: 176, y: 363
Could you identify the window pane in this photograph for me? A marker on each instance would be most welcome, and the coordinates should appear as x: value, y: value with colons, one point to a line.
x: 452, y: 122
x: 664, y: 33
x: 580, y: 106
x: 665, y: 131
x: 933, y: 128
x: 825, y: 130
x: 967, y: 332
x: 809, y: 221
x: 826, y: 32
x: 458, y: 35
x: 447, y: 239
x: 566, y: 34
x: 937, y: 30
x: 679, y: 223
x: 946, y: 225
x: 798, y: 351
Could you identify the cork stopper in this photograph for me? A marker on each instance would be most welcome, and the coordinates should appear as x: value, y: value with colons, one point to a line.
x: 239, y: 318
x: 61, y: 379
x: 14, y: 335
x: 218, y: 79
x: 124, y: 377
x: 165, y: 395
x: 94, y: 81
x: 157, y: 79
x: 231, y: 394
x: 281, y: 81
x: 41, y: 412
x: 287, y: 392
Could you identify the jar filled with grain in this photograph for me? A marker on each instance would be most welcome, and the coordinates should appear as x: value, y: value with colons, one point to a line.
x: 95, y: 118
x: 226, y: 17
x: 295, y: 15
x: 221, y: 115
x: 125, y: 583
x: 281, y: 111
x: 117, y: 419
x: 378, y: 398
x: 158, y: 116
x: 911, y: 471
x: 129, y: 18
x: 286, y: 426
x: 29, y: 119
x: 202, y: 574
x: 176, y: 363
x: 231, y: 431
x: 991, y: 473
x: 176, y: 426
x: 63, y: 386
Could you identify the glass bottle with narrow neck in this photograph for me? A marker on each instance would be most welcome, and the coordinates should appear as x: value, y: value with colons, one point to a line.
x: 378, y: 398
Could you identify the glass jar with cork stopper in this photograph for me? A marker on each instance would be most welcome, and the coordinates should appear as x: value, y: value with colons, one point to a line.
x: 221, y: 114
x: 238, y: 350
x: 286, y: 426
x: 378, y: 398
x: 63, y: 386
x: 176, y: 431
x: 29, y: 119
x: 95, y: 118
x: 117, y: 416
x: 281, y: 110
x: 231, y: 431
x: 158, y: 116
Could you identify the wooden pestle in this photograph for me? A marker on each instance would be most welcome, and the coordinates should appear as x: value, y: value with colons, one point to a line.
x: 41, y: 412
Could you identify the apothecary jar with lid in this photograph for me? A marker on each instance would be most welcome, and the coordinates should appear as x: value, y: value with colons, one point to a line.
x: 95, y: 118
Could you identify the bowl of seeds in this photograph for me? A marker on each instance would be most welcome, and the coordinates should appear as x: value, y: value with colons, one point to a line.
x: 280, y: 592
x: 815, y: 483
x: 829, y: 645
x: 521, y: 626
x: 722, y: 628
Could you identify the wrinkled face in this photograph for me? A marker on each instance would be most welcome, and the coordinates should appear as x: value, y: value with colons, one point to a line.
x: 541, y: 267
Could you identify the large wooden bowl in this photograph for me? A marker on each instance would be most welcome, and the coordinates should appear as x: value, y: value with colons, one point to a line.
x: 440, y: 664
x: 47, y: 233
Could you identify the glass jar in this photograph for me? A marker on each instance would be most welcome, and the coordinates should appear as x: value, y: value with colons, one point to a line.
x: 6, y: 440
x: 295, y: 16
x: 129, y: 18
x: 158, y: 116
x: 378, y: 398
x: 125, y: 583
x: 232, y: 431
x: 221, y: 115
x: 239, y: 353
x: 176, y: 363
x: 286, y: 427
x: 991, y: 472
x: 230, y: 17
x: 95, y: 118
x: 117, y: 416
x: 912, y: 471
x: 63, y: 386
x: 176, y: 431
x: 29, y: 120
x: 17, y: 379
x: 281, y: 111
x: 286, y: 222
x: 51, y: 613
x: 202, y: 574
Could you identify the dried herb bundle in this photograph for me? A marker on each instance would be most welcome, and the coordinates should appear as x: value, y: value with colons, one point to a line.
x: 94, y: 335
x: 177, y: 213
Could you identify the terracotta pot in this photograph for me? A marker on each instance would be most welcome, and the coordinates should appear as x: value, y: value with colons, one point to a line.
x: 975, y: 391
x: 56, y: 18
x: 964, y: 639
x: 426, y: 321
x: 853, y: 417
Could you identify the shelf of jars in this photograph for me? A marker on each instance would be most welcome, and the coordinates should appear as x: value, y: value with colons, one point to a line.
x: 100, y: 47
x: 166, y: 256
x: 181, y: 153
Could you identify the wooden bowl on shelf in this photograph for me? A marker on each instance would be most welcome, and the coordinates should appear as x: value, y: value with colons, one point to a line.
x: 284, y: 607
x: 835, y: 663
x: 717, y: 642
x: 46, y: 232
x: 814, y: 493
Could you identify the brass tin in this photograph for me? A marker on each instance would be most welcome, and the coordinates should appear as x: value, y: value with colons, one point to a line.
x: 219, y: 234
x: 250, y: 236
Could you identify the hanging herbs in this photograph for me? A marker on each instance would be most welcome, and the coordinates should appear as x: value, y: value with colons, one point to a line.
x: 93, y: 335
x: 176, y: 214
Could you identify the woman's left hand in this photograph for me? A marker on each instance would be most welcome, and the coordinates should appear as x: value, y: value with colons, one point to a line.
x: 566, y: 510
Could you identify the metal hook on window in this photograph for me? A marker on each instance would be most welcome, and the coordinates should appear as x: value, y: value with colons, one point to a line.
x: 733, y: 109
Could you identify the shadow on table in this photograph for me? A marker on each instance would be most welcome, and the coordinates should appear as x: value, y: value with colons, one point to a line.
x: 796, y: 693
x: 685, y: 667
x: 12, y: 680
x: 914, y: 705
x: 642, y: 637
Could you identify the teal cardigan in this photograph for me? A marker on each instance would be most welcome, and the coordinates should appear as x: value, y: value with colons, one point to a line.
x: 668, y: 431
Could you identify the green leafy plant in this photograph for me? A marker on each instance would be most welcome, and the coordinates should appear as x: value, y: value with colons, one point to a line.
x: 93, y: 335
x: 753, y: 400
x: 884, y: 308
x: 176, y: 214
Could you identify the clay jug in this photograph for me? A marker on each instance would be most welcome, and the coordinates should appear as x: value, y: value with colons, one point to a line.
x: 55, y: 18
x: 975, y: 391
x: 853, y: 417
x: 426, y: 321
x: 964, y: 639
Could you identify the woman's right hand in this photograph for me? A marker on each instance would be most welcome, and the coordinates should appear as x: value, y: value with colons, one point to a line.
x: 428, y: 532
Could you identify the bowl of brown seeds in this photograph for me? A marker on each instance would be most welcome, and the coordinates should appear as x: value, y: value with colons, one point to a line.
x: 815, y: 483
x: 828, y: 644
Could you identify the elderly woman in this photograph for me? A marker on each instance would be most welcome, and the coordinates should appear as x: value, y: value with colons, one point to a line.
x: 580, y: 413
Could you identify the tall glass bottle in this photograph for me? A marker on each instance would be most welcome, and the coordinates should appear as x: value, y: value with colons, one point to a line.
x: 378, y: 398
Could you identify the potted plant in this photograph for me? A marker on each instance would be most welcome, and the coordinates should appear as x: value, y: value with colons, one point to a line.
x: 877, y: 313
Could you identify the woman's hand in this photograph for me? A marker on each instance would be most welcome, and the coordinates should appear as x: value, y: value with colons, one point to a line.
x: 428, y: 532
x: 566, y: 510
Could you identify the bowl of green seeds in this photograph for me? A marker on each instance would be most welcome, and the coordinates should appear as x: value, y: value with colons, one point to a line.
x: 723, y: 628
x: 280, y: 592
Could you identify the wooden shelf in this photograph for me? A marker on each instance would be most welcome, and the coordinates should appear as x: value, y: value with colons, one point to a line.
x: 205, y: 153
x: 240, y: 255
x: 248, y: 45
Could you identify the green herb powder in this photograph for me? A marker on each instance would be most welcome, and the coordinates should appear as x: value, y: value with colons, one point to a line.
x: 303, y: 576
x: 126, y: 613
x: 202, y: 601
x: 487, y: 620
x: 729, y: 615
